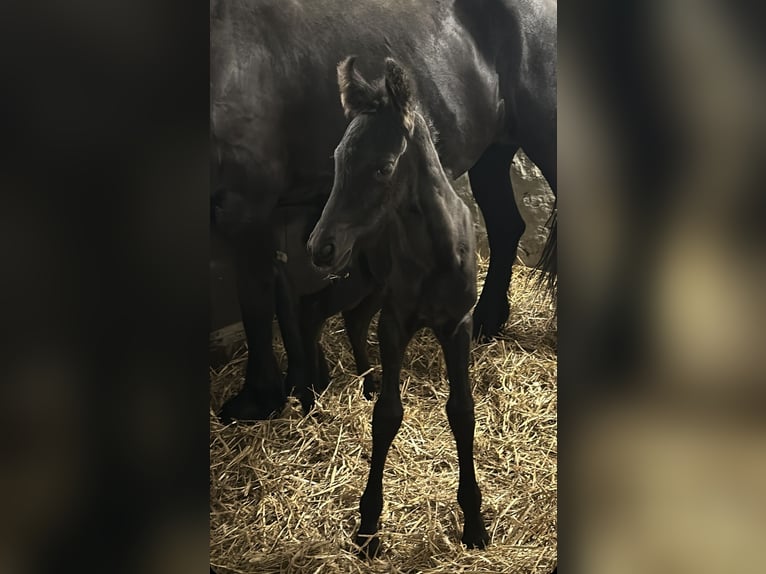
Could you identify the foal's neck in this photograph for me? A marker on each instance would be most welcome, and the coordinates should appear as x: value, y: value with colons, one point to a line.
x: 442, y: 212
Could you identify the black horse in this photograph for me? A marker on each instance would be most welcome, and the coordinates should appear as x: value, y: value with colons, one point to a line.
x: 486, y: 74
x: 392, y: 201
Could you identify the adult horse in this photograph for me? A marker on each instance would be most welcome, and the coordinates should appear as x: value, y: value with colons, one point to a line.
x: 484, y: 69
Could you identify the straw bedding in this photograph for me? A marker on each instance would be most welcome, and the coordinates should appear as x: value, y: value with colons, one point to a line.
x: 284, y: 493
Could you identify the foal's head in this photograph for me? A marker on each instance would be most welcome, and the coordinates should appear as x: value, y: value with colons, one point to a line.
x: 370, y: 171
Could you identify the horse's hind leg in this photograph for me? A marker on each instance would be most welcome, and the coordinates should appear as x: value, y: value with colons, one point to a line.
x: 456, y: 345
x: 491, y: 186
x: 386, y: 419
x: 540, y: 146
x: 357, y: 326
x: 543, y: 154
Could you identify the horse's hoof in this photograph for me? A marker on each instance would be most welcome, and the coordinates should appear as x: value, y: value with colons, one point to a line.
x: 371, y: 386
x: 369, y: 546
x: 246, y: 407
x: 475, y: 536
x: 488, y: 323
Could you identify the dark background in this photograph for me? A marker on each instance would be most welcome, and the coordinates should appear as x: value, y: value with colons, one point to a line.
x: 105, y: 286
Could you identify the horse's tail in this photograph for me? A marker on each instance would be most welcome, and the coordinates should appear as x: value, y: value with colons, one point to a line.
x: 547, y: 264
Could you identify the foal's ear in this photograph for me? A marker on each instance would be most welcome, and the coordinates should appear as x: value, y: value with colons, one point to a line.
x: 399, y: 90
x: 356, y: 95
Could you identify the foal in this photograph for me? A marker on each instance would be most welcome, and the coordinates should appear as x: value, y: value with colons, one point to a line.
x: 392, y: 203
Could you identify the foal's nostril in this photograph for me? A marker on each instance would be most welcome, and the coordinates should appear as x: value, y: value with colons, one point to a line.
x: 323, y: 256
x: 326, y: 251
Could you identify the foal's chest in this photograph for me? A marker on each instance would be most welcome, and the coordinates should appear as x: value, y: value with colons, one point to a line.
x: 432, y: 298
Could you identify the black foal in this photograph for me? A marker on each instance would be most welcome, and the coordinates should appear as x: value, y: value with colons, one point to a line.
x: 392, y: 205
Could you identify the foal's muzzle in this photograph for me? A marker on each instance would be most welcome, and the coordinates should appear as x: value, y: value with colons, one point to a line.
x: 324, y: 255
x: 330, y: 248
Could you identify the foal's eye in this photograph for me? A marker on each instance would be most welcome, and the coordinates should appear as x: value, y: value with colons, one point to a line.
x: 384, y: 171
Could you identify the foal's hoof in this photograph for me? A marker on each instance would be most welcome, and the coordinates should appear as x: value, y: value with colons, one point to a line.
x: 488, y: 322
x: 369, y: 546
x: 371, y: 386
x: 292, y: 380
x: 247, y: 407
x: 475, y: 536
x: 307, y: 403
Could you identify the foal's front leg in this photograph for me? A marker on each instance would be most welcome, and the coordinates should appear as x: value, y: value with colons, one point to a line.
x: 386, y: 419
x: 357, y: 326
x: 287, y: 303
x: 455, y: 341
x: 316, y: 375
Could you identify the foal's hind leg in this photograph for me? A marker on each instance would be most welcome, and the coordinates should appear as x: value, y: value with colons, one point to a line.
x: 455, y: 342
x: 491, y: 186
x: 386, y: 419
x: 357, y: 326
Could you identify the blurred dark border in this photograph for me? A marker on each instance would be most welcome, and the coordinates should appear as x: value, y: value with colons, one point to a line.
x: 105, y: 286
x: 104, y: 231
x: 662, y: 275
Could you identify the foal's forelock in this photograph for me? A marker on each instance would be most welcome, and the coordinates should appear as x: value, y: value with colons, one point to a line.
x: 353, y: 133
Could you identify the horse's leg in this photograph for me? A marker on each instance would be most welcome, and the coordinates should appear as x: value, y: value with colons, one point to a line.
x: 286, y: 307
x: 247, y: 188
x: 543, y: 154
x: 313, y: 315
x: 455, y: 342
x: 263, y: 393
x: 491, y: 186
x: 386, y: 419
x: 323, y: 371
x: 539, y: 142
x: 357, y: 322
